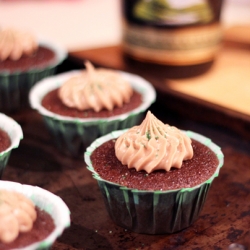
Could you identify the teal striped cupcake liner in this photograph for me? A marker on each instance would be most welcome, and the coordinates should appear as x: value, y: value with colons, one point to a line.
x: 153, y: 212
x: 73, y: 135
x: 15, y: 86
x: 48, y: 202
x: 14, y: 131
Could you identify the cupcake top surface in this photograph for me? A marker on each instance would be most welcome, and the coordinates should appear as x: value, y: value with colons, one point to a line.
x: 153, y: 145
x: 15, y: 43
x: 17, y: 215
x: 174, y: 159
x: 95, y: 89
x: 10, y: 133
x: 44, y: 98
x: 5, y: 141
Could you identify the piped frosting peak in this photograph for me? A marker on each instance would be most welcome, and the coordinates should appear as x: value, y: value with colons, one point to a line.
x: 15, y: 43
x: 95, y: 89
x: 153, y: 145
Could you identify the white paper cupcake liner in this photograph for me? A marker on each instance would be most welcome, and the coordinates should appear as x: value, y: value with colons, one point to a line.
x: 153, y: 212
x: 48, y: 202
x: 73, y: 135
x: 15, y: 86
x: 14, y: 130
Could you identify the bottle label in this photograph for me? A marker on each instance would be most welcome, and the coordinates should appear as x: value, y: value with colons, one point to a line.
x: 172, y: 12
x: 187, y: 46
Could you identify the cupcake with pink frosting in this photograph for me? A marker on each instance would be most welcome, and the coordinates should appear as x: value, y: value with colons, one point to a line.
x: 82, y: 105
x: 24, y: 60
x: 31, y: 217
x: 154, y: 178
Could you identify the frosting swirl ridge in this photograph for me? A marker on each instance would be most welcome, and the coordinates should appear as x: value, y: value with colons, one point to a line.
x: 153, y: 145
x: 17, y: 214
x: 95, y: 89
x: 14, y: 44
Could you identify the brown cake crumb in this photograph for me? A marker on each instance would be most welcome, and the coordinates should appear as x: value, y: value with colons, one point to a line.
x: 5, y: 141
x: 43, y: 57
x: 53, y: 103
x: 42, y: 227
x: 193, y: 172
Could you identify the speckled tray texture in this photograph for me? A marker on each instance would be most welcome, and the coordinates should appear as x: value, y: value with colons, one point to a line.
x: 73, y: 135
x: 47, y: 201
x: 15, y: 133
x: 15, y: 87
x: 153, y: 212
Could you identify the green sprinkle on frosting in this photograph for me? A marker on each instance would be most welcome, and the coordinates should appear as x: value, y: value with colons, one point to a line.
x: 148, y: 135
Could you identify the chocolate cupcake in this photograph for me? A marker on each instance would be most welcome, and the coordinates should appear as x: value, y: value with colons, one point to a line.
x: 154, y: 178
x: 10, y: 135
x: 33, y: 217
x: 24, y: 60
x: 81, y: 105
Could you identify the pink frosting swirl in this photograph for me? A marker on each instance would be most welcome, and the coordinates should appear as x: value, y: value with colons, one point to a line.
x: 95, y: 89
x: 153, y: 145
x: 15, y: 43
x: 17, y: 214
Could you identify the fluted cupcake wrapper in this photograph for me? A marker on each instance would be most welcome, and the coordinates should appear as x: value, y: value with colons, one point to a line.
x: 48, y: 202
x: 153, y: 212
x: 15, y: 86
x: 72, y: 138
x: 14, y: 131
x: 73, y: 135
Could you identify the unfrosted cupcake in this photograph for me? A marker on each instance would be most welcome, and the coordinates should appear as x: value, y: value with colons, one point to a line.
x: 154, y: 178
x: 24, y: 60
x: 31, y: 217
x: 10, y: 135
x: 79, y: 106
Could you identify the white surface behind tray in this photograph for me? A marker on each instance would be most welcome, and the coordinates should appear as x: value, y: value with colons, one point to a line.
x: 83, y: 24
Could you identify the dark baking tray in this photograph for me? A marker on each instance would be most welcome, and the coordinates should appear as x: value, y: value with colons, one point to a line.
x: 225, y: 218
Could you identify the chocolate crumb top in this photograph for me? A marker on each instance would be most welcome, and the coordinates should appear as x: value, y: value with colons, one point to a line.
x: 193, y: 172
x: 52, y: 102
x: 41, y: 59
x: 5, y: 141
